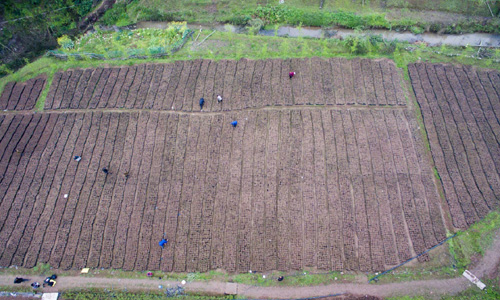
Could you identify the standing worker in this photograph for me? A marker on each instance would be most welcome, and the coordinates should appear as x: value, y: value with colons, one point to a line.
x: 202, y: 102
x: 219, y: 98
x: 291, y: 74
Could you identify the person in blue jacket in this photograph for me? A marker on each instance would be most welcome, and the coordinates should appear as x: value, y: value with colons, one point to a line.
x: 163, y: 242
x: 202, y: 102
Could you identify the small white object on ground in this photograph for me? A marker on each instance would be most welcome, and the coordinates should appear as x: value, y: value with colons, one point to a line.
x: 85, y: 270
x: 183, y: 282
x: 160, y: 286
x: 263, y: 276
x: 65, y: 196
x: 50, y: 296
x: 250, y: 271
x: 472, y: 278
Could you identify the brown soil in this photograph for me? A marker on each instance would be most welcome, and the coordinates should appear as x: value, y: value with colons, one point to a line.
x: 331, y: 173
x: 460, y: 107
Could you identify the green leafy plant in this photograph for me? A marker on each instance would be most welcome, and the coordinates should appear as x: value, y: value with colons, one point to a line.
x: 254, y: 26
x: 65, y: 42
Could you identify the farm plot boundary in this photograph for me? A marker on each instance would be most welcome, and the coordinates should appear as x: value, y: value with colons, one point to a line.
x: 285, y: 189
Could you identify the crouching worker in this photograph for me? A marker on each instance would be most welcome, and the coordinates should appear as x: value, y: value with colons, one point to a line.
x: 50, y: 281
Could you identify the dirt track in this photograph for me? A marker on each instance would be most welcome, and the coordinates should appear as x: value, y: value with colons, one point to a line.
x: 432, y: 289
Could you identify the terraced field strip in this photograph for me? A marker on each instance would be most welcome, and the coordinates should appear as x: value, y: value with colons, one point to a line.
x: 21, y: 95
x: 286, y: 189
x: 461, y: 106
x: 243, y: 84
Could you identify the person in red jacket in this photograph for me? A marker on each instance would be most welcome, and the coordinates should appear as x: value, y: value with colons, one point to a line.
x: 291, y: 74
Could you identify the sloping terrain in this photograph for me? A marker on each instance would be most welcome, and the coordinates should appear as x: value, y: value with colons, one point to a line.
x: 460, y: 106
x: 345, y: 186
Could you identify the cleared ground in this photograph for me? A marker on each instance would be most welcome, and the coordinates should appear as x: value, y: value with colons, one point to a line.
x: 460, y: 106
x: 243, y: 84
x: 21, y: 96
x: 340, y: 187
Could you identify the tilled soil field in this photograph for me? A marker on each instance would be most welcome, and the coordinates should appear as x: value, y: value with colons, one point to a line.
x: 21, y: 96
x: 461, y: 107
x: 242, y: 84
x: 293, y: 185
x: 285, y: 189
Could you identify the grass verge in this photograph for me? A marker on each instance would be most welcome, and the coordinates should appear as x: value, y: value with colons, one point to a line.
x: 451, y: 259
x: 162, y: 293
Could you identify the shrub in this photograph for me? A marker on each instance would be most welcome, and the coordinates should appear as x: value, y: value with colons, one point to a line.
x: 357, y: 44
x: 65, y: 42
x: 417, y: 30
x: 254, y: 25
x: 115, y: 15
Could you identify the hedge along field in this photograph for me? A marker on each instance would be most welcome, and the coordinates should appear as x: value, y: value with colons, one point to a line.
x: 312, y: 175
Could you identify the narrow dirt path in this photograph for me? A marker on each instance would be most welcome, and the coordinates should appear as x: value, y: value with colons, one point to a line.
x: 429, y: 288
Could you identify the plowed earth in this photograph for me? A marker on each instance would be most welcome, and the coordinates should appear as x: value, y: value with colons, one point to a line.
x: 461, y: 106
x: 243, y: 84
x: 21, y: 95
x: 332, y: 187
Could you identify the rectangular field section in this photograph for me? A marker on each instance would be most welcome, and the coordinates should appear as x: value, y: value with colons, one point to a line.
x: 336, y: 189
x: 461, y: 107
x: 242, y: 84
x: 21, y: 95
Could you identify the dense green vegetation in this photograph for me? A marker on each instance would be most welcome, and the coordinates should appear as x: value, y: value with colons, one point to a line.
x: 28, y: 28
x: 163, y: 293
x: 124, y: 44
x: 348, y: 14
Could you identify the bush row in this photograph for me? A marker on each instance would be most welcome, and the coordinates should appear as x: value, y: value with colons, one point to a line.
x: 296, y: 16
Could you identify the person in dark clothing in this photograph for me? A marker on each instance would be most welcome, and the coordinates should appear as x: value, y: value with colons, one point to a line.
x: 280, y: 278
x: 35, y: 285
x: 202, y: 102
x: 105, y: 170
x: 20, y: 280
x: 50, y: 281
x: 291, y: 74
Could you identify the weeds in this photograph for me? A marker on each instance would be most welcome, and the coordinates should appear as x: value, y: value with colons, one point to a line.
x: 302, y: 278
x: 455, y: 256
x: 163, y: 293
x: 138, y: 42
